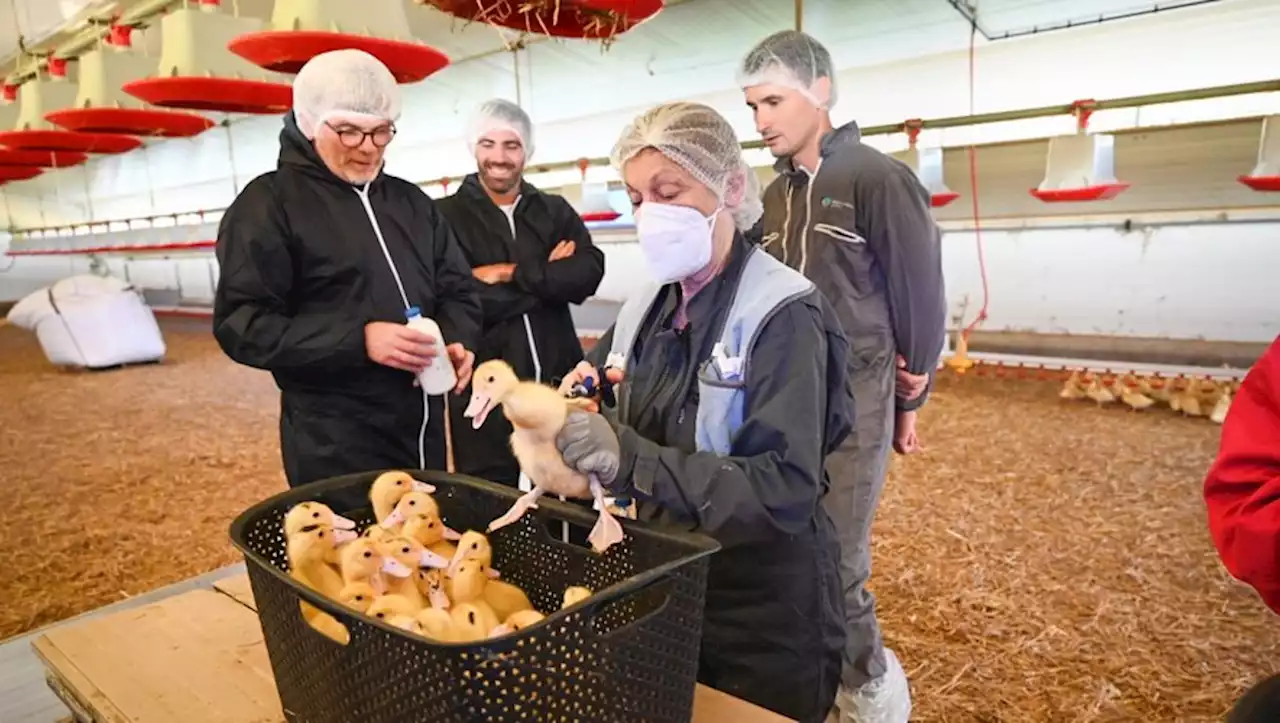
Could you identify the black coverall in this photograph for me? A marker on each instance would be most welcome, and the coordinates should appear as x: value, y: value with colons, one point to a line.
x: 303, y: 273
x: 539, y: 292
x: 774, y: 624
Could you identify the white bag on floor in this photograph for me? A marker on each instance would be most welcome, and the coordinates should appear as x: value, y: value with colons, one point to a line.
x: 91, y: 321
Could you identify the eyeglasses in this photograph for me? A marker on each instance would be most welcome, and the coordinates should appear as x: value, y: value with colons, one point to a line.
x: 354, y: 137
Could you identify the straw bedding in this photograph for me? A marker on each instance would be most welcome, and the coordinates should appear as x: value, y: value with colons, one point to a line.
x: 1041, y: 560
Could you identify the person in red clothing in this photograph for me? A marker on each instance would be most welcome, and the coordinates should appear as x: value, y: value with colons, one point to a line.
x: 1242, y: 495
x: 1242, y: 489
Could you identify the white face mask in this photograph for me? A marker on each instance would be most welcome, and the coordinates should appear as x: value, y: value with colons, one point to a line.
x: 676, y: 240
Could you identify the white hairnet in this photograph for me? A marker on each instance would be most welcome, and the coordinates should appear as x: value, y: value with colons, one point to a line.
x: 790, y: 59
x: 343, y: 82
x: 702, y: 142
x: 499, y: 114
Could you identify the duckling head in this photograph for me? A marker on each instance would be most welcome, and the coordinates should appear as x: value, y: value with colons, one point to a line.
x: 362, y: 559
x: 389, y: 487
x: 431, y: 585
x: 472, y: 545
x: 491, y: 384
x: 314, y: 513
x: 411, y: 505
x: 388, y: 606
x: 311, y: 543
x: 410, y: 553
x: 516, y: 622
x: 358, y: 596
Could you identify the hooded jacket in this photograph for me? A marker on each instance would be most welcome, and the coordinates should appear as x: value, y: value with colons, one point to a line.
x: 303, y: 271
x: 861, y: 228
x: 527, y: 321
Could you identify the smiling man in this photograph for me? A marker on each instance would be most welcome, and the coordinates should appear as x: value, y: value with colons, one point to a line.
x: 857, y: 222
x: 321, y: 259
x: 533, y: 257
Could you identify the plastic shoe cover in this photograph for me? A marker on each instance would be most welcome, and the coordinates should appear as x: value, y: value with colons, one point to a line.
x: 886, y: 699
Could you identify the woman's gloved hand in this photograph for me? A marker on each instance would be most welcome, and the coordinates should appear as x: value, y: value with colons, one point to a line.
x: 590, y: 446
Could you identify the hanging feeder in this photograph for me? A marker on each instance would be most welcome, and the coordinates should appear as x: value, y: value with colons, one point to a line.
x: 1266, y: 175
x: 197, y: 73
x: 927, y: 164
x: 586, y: 19
x: 101, y: 107
x: 30, y: 131
x: 595, y: 199
x: 41, y: 159
x: 18, y: 173
x: 302, y: 29
x: 1081, y: 166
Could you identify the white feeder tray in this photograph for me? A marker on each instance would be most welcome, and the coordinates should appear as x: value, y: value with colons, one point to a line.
x: 1266, y: 175
x: 302, y: 29
x: 197, y: 73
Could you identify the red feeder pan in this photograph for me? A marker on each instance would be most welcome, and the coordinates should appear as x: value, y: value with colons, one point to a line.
x: 1103, y: 192
x: 41, y: 159
x: 1261, y: 183
x: 574, y: 20
x: 600, y: 216
x: 938, y: 200
x: 286, y: 51
x: 131, y: 121
x: 68, y: 141
x: 18, y: 173
x: 223, y: 95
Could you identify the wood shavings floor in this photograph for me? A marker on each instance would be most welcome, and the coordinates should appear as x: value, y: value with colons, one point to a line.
x: 1040, y: 561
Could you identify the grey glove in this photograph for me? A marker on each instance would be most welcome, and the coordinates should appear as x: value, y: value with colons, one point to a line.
x: 590, y: 446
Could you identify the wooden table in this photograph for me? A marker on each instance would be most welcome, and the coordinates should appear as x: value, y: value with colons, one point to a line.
x: 199, y: 657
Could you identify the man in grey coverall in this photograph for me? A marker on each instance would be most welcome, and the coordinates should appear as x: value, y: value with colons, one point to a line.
x: 857, y: 222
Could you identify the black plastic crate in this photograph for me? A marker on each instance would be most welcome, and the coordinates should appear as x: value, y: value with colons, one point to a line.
x: 628, y: 654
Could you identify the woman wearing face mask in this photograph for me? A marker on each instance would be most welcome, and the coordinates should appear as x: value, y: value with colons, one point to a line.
x: 733, y: 391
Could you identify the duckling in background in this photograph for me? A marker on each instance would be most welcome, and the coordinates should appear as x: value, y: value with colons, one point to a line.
x: 574, y: 595
x: 1073, y: 388
x: 431, y: 585
x: 473, y: 546
x: 389, y: 487
x: 431, y: 533
x: 1099, y: 393
x: 1188, y: 402
x: 362, y: 561
x: 309, y: 551
x: 472, y: 584
x: 1135, y: 399
x: 516, y: 622
x: 1157, y: 389
x: 437, y: 624
x: 537, y: 414
x: 396, y: 611
x: 1222, y: 406
x: 472, y: 622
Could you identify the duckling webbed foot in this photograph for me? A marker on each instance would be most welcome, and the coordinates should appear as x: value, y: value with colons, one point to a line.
x: 527, y: 501
x: 607, y: 531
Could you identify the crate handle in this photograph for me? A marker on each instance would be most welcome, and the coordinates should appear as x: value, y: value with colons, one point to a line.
x: 328, y: 631
x: 595, y: 610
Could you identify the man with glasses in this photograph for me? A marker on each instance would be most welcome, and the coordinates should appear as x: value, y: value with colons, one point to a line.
x: 322, y: 259
x: 533, y: 256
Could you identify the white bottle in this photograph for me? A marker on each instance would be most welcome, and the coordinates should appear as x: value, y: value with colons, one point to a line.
x: 439, y: 377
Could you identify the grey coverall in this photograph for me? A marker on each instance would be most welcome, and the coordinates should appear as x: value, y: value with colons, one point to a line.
x: 861, y: 229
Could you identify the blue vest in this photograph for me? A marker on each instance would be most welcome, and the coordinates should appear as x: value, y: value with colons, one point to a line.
x: 764, y: 286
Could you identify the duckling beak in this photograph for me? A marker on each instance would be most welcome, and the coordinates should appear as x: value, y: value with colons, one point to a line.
x: 343, y: 523
x: 439, y: 600
x: 452, y: 534
x: 340, y: 536
x: 502, y: 629
x: 420, y: 486
x: 392, y: 520
x: 492, y: 573
x: 478, y: 409
x: 392, y: 566
x: 431, y: 559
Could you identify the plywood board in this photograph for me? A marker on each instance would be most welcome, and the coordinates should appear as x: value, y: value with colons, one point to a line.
x: 199, y: 656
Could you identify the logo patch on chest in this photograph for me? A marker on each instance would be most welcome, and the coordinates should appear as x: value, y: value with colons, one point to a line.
x: 829, y: 202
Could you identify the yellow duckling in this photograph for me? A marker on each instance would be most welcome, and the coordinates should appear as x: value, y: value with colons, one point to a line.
x: 574, y: 595
x: 396, y: 611
x: 516, y: 622
x: 1072, y: 388
x: 1098, y: 393
x: 415, y: 505
x: 362, y: 561
x: 1134, y: 398
x: 438, y: 625
x: 537, y: 414
x: 314, y: 513
x: 472, y: 622
x: 389, y: 487
x: 472, y: 585
x: 431, y: 585
x: 473, y: 546
x: 309, y: 551
x: 432, y: 534
x: 1222, y: 406
x: 358, y: 596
